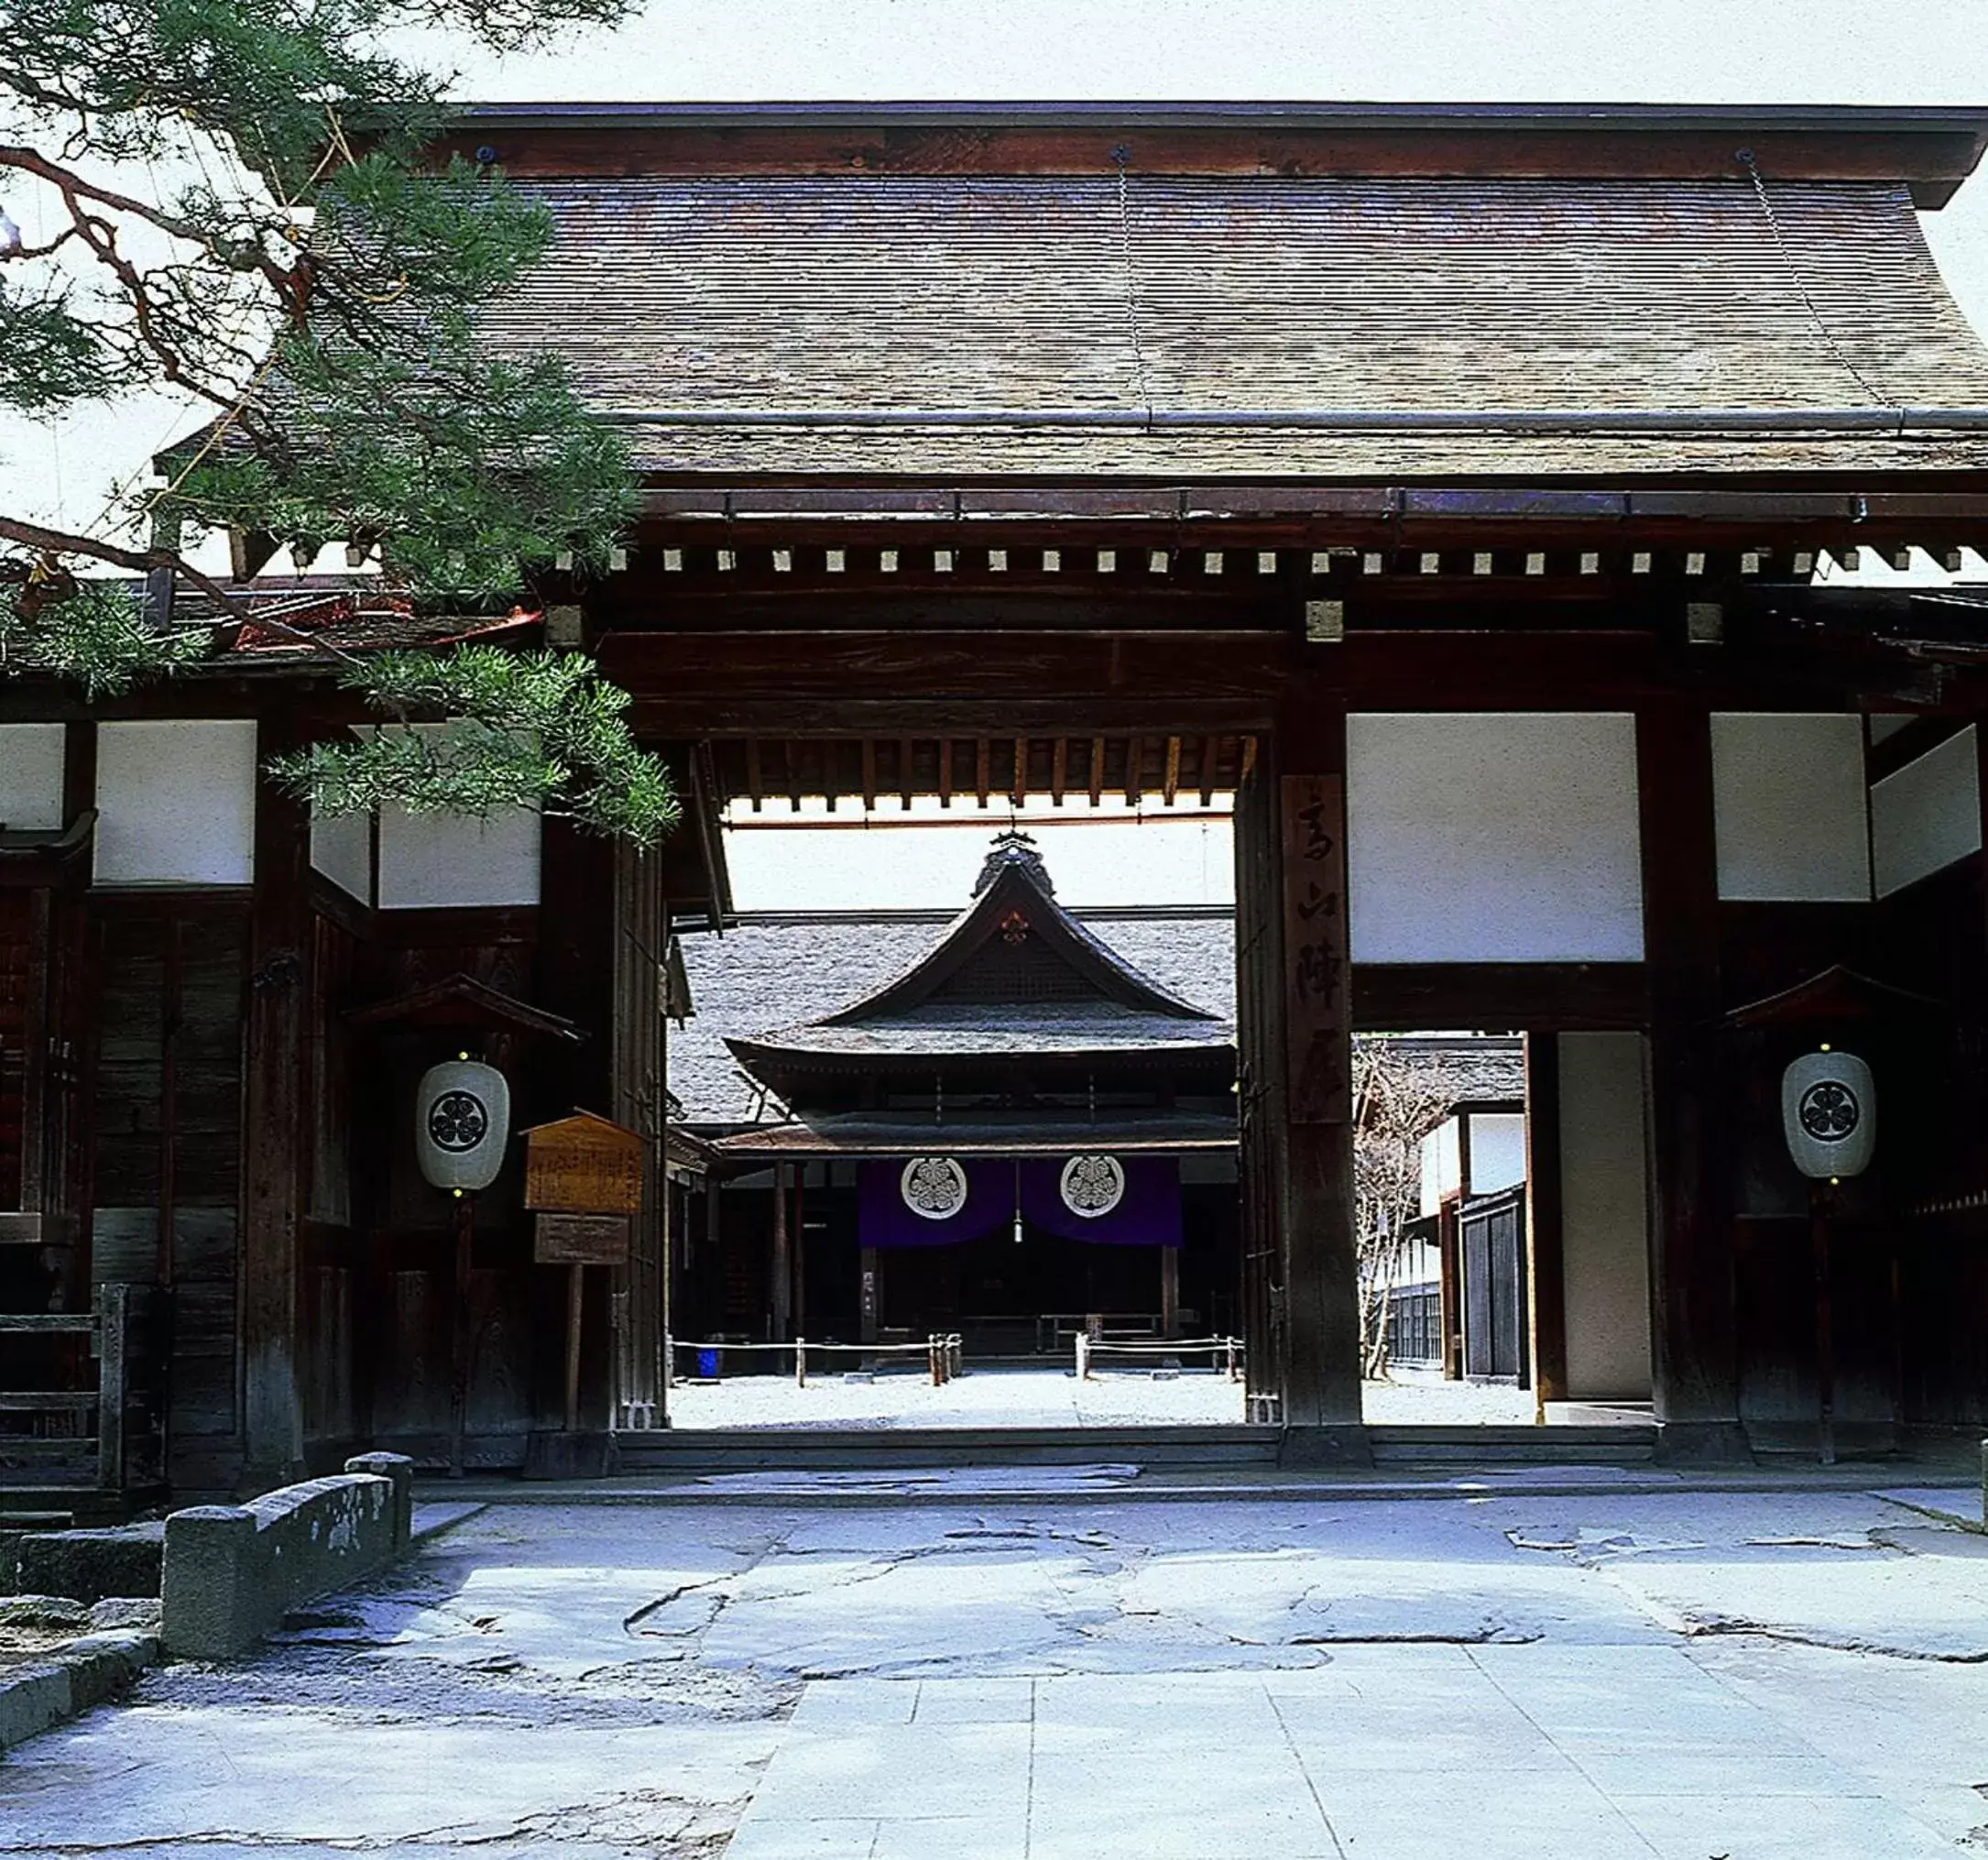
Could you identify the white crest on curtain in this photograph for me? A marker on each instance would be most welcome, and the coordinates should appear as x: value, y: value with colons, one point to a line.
x: 1093, y: 1184
x: 933, y: 1187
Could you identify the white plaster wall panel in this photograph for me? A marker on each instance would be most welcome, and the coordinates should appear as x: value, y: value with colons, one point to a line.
x: 1432, y: 1175
x: 1926, y: 815
x: 1789, y: 795
x: 342, y: 848
x: 435, y: 861
x: 31, y: 776
x: 176, y: 803
x: 1605, y: 1218
x: 1494, y: 837
x: 1496, y: 1151
x: 1442, y: 1164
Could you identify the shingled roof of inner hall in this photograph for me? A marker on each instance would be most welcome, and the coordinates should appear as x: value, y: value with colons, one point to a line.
x: 774, y: 968
x: 708, y: 308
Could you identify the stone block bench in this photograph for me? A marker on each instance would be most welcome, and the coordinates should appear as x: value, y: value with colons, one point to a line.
x: 232, y: 1572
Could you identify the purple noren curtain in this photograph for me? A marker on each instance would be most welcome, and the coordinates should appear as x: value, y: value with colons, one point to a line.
x: 1147, y: 1215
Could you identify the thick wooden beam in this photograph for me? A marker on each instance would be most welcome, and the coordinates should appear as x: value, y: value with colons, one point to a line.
x: 834, y: 683
x: 1412, y: 997
x: 1096, y: 771
x: 785, y: 684
x: 1933, y: 155
x: 1059, y: 770
x: 1692, y: 1296
x: 1170, y: 781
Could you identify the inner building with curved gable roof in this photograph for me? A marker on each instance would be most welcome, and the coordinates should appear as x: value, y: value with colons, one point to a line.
x: 1019, y: 1132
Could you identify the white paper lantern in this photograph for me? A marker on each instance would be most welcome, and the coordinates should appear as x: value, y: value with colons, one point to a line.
x: 1828, y: 1115
x: 461, y: 1123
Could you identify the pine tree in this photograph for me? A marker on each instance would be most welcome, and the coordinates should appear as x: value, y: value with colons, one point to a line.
x: 312, y: 280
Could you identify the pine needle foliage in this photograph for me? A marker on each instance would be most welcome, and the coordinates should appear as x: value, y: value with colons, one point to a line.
x: 231, y: 202
x: 94, y: 635
x: 504, y: 729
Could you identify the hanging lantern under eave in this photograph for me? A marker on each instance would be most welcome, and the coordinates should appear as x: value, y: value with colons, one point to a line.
x: 1828, y: 1115
x: 462, y: 1125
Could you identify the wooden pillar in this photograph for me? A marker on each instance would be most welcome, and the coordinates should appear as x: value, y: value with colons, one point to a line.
x: 1544, y: 1267
x: 1693, y: 1320
x: 640, y: 1100
x: 1303, y: 1074
x: 711, y: 1274
x: 800, y: 1249
x: 274, y: 1151
x: 781, y: 1314
x: 1169, y: 1292
x: 1450, y: 1288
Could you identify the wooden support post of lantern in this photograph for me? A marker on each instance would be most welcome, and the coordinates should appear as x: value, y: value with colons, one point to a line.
x: 584, y: 1183
x: 459, y: 1342
x: 1822, y: 1200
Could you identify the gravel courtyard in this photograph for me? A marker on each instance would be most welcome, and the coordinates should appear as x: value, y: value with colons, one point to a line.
x: 1688, y: 1674
x: 1117, y: 1394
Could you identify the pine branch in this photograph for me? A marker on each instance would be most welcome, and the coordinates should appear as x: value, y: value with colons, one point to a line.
x: 47, y: 541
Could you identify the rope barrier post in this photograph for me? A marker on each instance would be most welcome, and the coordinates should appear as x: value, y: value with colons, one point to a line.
x: 800, y: 1363
x: 1083, y: 1357
x: 668, y: 1361
x: 931, y: 1357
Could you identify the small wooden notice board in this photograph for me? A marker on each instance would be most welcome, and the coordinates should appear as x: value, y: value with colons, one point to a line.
x: 580, y: 1239
x: 584, y: 1165
x: 584, y: 1181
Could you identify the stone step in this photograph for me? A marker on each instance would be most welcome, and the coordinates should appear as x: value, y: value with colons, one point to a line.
x: 742, y: 1450
x: 1607, y: 1445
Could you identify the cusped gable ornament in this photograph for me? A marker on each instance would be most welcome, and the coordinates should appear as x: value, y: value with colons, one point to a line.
x: 1093, y: 1186
x: 933, y: 1187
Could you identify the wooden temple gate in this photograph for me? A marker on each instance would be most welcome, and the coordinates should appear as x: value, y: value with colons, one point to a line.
x: 1068, y: 683
x: 1416, y: 435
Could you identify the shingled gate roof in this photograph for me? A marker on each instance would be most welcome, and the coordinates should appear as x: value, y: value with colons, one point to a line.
x: 1336, y: 326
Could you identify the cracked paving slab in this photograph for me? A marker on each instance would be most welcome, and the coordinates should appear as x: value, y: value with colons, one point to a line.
x: 1008, y: 1676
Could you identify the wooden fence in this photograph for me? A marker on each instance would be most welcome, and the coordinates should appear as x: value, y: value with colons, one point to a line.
x: 104, y: 1434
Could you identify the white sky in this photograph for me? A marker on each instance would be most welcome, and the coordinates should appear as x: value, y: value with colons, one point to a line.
x: 1850, y: 51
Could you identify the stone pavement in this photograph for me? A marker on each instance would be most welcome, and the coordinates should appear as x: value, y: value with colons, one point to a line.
x: 1683, y: 1674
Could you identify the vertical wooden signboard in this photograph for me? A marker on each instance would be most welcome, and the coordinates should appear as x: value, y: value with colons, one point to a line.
x: 583, y: 1179
x: 1317, y: 1009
